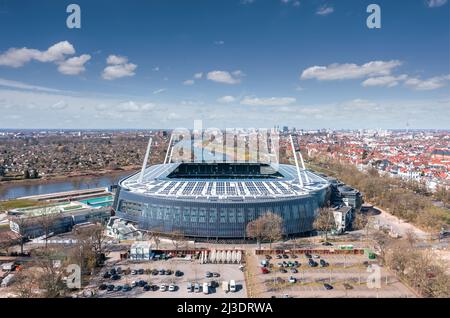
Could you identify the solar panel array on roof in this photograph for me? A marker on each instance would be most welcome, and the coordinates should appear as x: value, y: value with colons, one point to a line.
x: 188, y: 188
x: 199, y: 188
x: 251, y: 187
x: 167, y: 189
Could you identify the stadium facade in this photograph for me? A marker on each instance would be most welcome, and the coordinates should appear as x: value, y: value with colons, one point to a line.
x: 218, y: 200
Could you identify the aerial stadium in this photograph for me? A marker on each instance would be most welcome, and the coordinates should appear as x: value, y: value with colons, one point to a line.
x: 216, y: 200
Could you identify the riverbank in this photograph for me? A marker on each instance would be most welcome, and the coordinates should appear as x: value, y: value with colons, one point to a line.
x: 72, y: 176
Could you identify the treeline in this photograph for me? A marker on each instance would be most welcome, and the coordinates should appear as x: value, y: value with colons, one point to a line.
x: 407, y: 200
x: 420, y: 269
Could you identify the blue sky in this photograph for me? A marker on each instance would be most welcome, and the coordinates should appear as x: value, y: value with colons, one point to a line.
x: 235, y: 63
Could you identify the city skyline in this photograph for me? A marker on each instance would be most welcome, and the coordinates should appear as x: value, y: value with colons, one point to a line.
x: 164, y: 64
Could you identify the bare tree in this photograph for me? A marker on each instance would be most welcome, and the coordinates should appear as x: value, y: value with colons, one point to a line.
x: 26, y: 283
x: 22, y: 223
x: 269, y: 226
x: 324, y: 221
x: 178, y: 240
x: 49, y: 274
x: 411, y: 237
x: 47, y: 220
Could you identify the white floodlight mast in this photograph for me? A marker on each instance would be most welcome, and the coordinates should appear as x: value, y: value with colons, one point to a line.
x: 296, y: 162
x: 144, y: 164
x: 304, y: 169
x: 168, y: 148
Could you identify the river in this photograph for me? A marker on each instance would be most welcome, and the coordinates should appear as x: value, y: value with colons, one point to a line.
x: 19, y: 189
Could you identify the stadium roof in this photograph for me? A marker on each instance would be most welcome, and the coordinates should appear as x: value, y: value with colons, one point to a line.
x: 158, y: 180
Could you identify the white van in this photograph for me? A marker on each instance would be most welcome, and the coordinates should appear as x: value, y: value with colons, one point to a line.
x: 189, y: 287
x: 225, y: 286
x: 232, y: 286
x: 205, y: 288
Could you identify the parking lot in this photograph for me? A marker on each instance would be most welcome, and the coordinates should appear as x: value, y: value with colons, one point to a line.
x: 336, y: 276
x: 189, y: 271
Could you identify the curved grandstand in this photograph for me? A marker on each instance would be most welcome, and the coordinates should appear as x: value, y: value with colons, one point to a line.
x: 217, y: 200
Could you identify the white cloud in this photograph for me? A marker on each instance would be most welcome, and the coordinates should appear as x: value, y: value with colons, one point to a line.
x: 386, y: 81
x: 198, y: 75
x: 189, y: 82
x: 15, y: 57
x: 224, y: 77
x: 116, y: 60
x: 325, y: 10
x: 156, y: 68
x: 247, y: 1
x: 219, y: 42
x: 435, y: 3
x: 159, y: 91
x: 59, y: 105
x: 118, y: 67
x: 350, y: 71
x: 428, y: 84
x: 270, y: 101
x: 74, y: 65
x: 20, y: 85
x: 132, y: 106
x: 226, y: 99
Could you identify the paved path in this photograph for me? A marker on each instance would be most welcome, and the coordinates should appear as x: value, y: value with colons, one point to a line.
x: 399, y: 226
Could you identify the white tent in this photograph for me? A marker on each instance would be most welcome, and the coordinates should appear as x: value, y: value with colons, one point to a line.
x: 229, y: 257
x: 239, y: 256
x: 212, y: 257
x: 224, y: 256
x: 233, y: 257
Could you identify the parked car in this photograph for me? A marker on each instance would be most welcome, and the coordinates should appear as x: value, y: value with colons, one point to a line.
x: 140, y: 271
x: 285, y: 256
x: 215, y: 274
x: 293, y: 270
x: 134, y: 284
x: 102, y: 287
x: 316, y: 256
x: 323, y: 263
x: 292, y: 279
x: 112, y: 271
x: 118, y: 288
x: 134, y: 272
x: 205, y: 288
x: 106, y: 275
x: 268, y: 257
x: 172, y: 287
x: 163, y: 287
x: 196, y: 288
x: 294, y: 256
x: 169, y: 272
x: 142, y: 283
x: 155, y: 272
x: 115, y: 277
x: 232, y: 285
x: 208, y: 274
x: 307, y: 255
x: 119, y: 270
x: 162, y: 272
x: 282, y: 270
x: 178, y: 273
x: 327, y: 286
x: 279, y: 256
x: 189, y: 287
x: 327, y: 244
x: 264, y: 270
x: 147, y: 287
x: 126, y: 288
x: 110, y: 287
x: 312, y: 263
